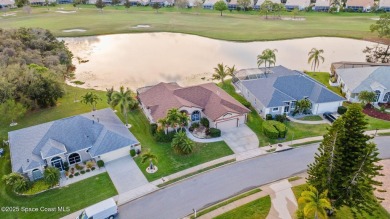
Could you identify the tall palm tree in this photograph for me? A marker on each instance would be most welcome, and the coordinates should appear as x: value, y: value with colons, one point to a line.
x: 149, y: 156
x: 220, y: 73
x: 123, y: 98
x: 91, y: 98
x: 315, y: 57
x: 231, y: 70
x: 267, y: 56
x: 314, y: 203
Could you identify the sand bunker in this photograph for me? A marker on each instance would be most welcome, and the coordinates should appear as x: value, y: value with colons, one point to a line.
x: 142, y: 26
x: 74, y: 30
x: 293, y: 19
x: 9, y: 14
x: 375, y: 18
x: 66, y: 12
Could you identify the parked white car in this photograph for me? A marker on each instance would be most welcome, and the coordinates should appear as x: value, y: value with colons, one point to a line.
x: 102, y: 210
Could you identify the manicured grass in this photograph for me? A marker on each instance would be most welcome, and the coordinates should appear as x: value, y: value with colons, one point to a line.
x: 323, y: 78
x: 374, y: 123
x: 195, y: 173
x: 346, y: 212
x: 309, y: 142
x: 257, y: 209
x: 223, y: 203
x: 294, y: 178
x: 311, y: 118
x: 37, y: 187
x: 254, y: 121
x: 239, y: 26
x: 170, y: 162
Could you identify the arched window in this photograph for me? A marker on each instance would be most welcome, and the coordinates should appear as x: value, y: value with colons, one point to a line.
x: 74, y: 158
x: 195, y: 116
x: 378, y: 93
x: 386, y: 98
x: 57, y: 162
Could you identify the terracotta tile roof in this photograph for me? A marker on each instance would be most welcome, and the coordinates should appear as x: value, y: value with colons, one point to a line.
x: 209, y: 97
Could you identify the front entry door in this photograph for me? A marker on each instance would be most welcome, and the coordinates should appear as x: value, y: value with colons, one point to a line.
x: 286, y: 109
x: 58, y: 164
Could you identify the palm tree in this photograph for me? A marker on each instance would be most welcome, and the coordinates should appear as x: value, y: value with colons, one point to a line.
x: 182, y: 144
x: 220, y: 73
x: 163, y: 122
x: 125, y: 100
x: 315, y: 57
x: 231, y: 70
x: 314, y: 203
x: 267, y: 55
x: 51, y: 176
x: 148, y: 156
x: 91, y: 98
x: 174, y: 118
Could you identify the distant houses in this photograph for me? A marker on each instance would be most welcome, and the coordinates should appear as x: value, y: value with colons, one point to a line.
x: 260, y: 2
x: 209, y: 4
x: 7, y: 3
x: 322, y: 5
x: 162, y: 2
x: 359, y: 5
x: 384, y: 5
x: 300, y: 4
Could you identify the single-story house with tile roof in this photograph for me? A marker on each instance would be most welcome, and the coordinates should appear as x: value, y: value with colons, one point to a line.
x: 278, y: 90
x: 384, y: 5
x: 322, y: 5
x: 205, y: 100
x: 260, y: 2
x: 356, y: 5
x: 300, y: 4
x: 355, y: 80
x: 7, y: 3
x: 98, y: 134
x: 209, y: 4
x: 162, y: 2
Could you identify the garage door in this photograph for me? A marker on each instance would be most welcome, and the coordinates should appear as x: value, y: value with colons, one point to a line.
x: 115, y: 154
x: 227, y: 124
x: 327, y: 107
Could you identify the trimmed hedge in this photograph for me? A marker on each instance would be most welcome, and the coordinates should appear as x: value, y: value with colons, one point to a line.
x: 341, y: 110
x: 214, y: 133
x: 132, y: 152
x: 269, y: 130
x: 274, y: 129
x: 100, y: 163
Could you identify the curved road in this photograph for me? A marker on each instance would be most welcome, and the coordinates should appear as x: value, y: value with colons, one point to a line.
x: 178, y: 200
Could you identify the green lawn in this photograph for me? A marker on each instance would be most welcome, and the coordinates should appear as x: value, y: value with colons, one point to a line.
x: 257, y: 209
x: 311, y: 118
x: 323, y: 78
x: 295, y: 130
x: 237, y: 26
x: 374, y: 123
x: 170, y: 162
x: 345, y: 212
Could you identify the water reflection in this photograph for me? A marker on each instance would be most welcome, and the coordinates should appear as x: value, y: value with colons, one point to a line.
x: 136, y: 60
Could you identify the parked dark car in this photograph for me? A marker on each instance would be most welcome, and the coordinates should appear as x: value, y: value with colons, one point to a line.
x: 330, y: 117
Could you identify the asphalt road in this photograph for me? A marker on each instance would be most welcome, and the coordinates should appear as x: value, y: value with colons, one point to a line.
x: 205, y: 189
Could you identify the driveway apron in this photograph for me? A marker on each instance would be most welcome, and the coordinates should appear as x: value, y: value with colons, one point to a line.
x: 240, y: 139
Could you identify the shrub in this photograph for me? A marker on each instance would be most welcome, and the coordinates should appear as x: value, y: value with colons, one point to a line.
x: 341, y: 110
x: 52, y: 176
x: 382, y: 109
x: 280, y: 118
x: 93, y: 168
x: 82, y: 172
x: 89, y: 164
x: 153, y: 128
x: 162, y: 137
x: 100, y: 163
x: 66, y: 166
x: 268, y: 117
x: 132, y: 152
x: 71, y: 176
x: 269, y: 130
x: 280, y: 127
x: 214, y: 133
x: 76, y: 174
x: 194, y: 126
x: 182, y: 144
x: 205, y: 122
x: 78, y: 167
x: 87, y: 170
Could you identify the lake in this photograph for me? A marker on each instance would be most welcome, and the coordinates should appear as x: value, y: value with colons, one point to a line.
x: 136, y: 60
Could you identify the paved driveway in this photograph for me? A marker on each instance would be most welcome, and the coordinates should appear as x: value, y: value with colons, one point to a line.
x: 240, y: 139
x: 125, y: 174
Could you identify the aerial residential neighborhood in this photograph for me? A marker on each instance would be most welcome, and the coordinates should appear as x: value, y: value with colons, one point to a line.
x: 225, y: 109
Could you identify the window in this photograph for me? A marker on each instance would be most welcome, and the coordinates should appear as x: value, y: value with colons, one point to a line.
x: 74, y: 158
x: 255, y: 101
x: 386, y: 98
x: 275, y: 109
x: 378, y: 93
x: 293, y: 103
x: 195, y: 116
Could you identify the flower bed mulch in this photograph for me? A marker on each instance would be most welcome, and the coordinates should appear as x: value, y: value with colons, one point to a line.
x: 386, y: 105
x: 371, y: 111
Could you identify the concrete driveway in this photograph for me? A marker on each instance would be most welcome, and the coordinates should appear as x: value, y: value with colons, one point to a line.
x: 125, y: 174
x: 240, y: 139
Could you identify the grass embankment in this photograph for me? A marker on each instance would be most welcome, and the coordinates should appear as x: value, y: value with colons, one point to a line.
x: 346, y: 212
x: 257, y: 209
x: 237, y: 26
x: 295, y: 130
x: 311, y: 118
x: 323, y: 78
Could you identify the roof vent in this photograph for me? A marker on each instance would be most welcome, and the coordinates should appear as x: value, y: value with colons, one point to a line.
x: 28, y: 160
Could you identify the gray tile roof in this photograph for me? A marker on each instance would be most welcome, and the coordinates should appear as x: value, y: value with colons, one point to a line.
x: 360, y: 79
x: 286, y: 85
x: 101, y: 130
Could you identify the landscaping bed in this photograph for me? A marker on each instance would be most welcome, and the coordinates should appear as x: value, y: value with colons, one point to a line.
x: 373, y: 112
x: 81, y: 168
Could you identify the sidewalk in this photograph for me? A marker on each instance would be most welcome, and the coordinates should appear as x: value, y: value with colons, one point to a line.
x: 278, y: 200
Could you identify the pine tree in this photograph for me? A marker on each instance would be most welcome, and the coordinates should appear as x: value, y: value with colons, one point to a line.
x: 346, y: 163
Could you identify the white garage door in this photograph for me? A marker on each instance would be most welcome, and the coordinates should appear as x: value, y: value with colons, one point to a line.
x: 125, y: 151
x: 328, y: 107
x: 227, y: 124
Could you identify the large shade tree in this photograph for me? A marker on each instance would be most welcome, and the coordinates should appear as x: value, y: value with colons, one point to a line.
x: 11, y: 110
x: 125, y: 100
x: 220, y: 6
x: 379, y: 53
x: 315, y: 57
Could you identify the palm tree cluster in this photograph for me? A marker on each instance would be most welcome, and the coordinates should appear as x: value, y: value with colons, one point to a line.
x: 91, y: 98
x: 174, y: 119
x: 17, y: 181
x: 222, y: 71
x: 268, y: 56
